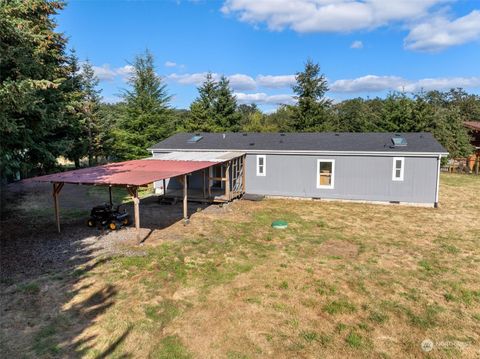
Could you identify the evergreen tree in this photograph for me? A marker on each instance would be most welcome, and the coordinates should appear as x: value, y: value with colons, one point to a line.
x: 90, y: 109
x: 73, y: 126
x: 32, y: 69
x: 202, y: 110
x: 226, y: 116
x: 215, y: 108
x: 311, y: 113
x: 353, y: 116
x: 147, y: 118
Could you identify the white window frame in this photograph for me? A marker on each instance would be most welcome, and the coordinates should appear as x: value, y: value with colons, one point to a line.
x: 332, y: 184
x: 394, y: 169
x: 264, y: 173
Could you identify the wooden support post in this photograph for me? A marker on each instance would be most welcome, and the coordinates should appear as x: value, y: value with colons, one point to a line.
x: 227, y: 181
x: 185, y: 199
x: 57, y: 187
x: 477, y: 163
x: 136, y: 205
x: 164, y: 187
x: 110, y: 195
x: 210, y: 169
x: 204, y: 180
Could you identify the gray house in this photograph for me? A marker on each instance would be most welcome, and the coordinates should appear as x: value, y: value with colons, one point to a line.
x: 377, y: 167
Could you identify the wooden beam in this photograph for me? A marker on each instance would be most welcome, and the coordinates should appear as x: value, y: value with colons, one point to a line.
x: 185, y: 199
x: 57, y: 187
x: 136, y: 205
x: 223, y: 179
x: 227, y: 181
x: 110, y: 195
x: 210, y: 169
x: 204, y: 180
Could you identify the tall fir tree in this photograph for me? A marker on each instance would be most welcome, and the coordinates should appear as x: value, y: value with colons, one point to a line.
x: 215, y: 108
x: 202, y: 110
x: 32, y: 56
x: 90, y: 109
x: 147, y: 117
x: 312, y: 111
x: 74, y: 124
x: 227, y: 118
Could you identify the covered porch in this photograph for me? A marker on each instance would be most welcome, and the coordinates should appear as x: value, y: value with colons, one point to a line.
x: 140, y: 173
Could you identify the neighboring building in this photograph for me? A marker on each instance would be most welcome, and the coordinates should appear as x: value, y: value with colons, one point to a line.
x: 379, y: 167
x: 473, y: 162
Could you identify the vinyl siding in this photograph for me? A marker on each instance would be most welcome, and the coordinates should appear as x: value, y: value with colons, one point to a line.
x: 356, y: 178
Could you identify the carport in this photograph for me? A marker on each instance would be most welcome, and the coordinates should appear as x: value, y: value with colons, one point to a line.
x: 140, y: 173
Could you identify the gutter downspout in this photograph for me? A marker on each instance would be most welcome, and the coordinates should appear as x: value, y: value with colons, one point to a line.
x: 438, y: 181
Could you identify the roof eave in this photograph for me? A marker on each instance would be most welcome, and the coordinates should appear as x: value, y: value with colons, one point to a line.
x: 308, y: 152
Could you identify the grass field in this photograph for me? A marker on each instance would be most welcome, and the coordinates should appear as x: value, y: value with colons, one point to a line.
x: 344, y: 280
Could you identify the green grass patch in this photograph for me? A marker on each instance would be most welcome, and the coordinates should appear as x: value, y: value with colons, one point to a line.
x: 309, y: 336
x: 356, y: 341
x: 323, y: 288
x: 283, y: 285
x: 170, y: 347
x: 163, y: 313
x: 31, y: 288
x: 46, y: 341
x: 378, y: 317
x: 427, y: 318
x: 340, y: 306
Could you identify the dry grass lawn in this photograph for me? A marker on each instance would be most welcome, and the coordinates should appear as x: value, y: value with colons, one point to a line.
x: 344, y: 280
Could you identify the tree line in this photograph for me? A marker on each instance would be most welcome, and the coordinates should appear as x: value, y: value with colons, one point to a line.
x: 51, y: 106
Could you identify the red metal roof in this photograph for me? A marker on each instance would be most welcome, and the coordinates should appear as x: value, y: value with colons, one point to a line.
x: 133, y: 173
x: 474, y: 125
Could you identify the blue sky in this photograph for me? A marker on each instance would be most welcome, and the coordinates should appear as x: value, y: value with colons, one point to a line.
x: 364, y: 47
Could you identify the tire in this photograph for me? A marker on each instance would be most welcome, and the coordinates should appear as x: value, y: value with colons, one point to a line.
x: 126, y: 221
x: 91, y: 223
x: 112, y: 226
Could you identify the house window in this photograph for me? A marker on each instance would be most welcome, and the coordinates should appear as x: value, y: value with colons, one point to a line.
x: 325, y: 173
x: 261, y: 165
x: 398, y: 166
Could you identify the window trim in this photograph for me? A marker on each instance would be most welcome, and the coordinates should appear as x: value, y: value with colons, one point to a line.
x: 332, y: 184
x: 394, y: 168
x: 264, y: 173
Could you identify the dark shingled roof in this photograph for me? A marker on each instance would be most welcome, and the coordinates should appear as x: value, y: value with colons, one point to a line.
x: 321, y: 141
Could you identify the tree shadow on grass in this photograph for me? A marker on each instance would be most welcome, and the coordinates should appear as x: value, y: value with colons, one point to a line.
x: 47, y: 301
x: 42, y: 273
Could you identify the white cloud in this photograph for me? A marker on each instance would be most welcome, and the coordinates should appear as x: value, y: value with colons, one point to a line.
x: 327, y: 15
x: 105, y: 73
x: 242, y: 82
x: 170, y: 64
x: 439, y: 33
x: 373, y: 83
x: 237, y: 81
x: 369, y: 83
x: 275, y: 81
x: 356, y: 45
x: 443, y: 83
x: 191, y: 79
x: 263, y: 98
x: 428, y: 27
